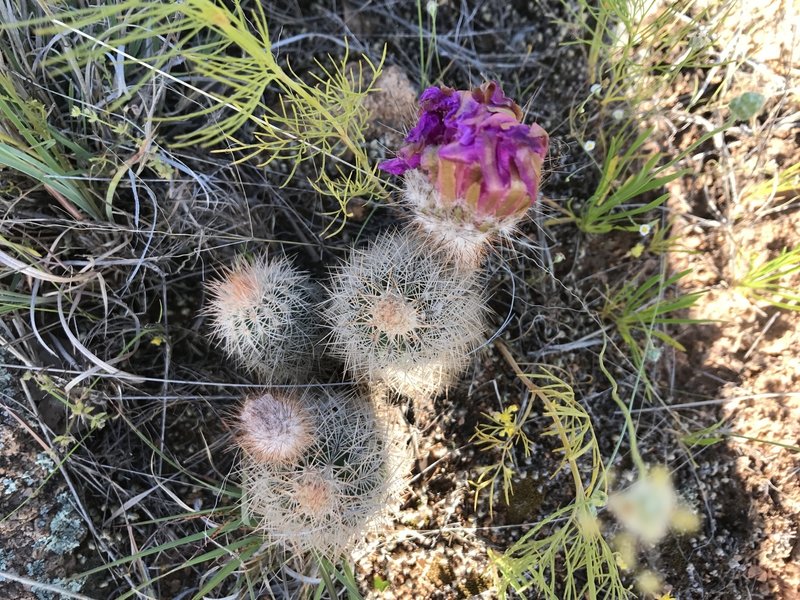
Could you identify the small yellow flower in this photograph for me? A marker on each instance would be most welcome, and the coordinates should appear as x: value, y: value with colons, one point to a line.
x: 506, y: 421
x: 636, y: 251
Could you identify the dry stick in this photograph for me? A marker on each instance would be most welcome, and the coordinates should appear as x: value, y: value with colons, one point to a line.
x: 65, y: 204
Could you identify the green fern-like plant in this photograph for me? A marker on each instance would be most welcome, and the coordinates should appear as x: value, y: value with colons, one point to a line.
x: 229, y: 50
x: 571, y: 537
x: 503, y: 432
x: 577, y: 545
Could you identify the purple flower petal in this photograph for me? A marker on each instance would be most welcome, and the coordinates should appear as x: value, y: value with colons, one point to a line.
x: 474, y: 148
x: 395, y: 166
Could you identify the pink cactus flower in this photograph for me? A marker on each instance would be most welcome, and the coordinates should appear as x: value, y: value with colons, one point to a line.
x: 470, y: 162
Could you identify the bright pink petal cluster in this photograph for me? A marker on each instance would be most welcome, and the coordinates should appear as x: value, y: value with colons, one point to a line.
x: 476, y: 152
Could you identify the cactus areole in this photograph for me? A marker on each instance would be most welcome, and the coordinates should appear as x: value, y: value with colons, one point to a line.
x: 470, y: 161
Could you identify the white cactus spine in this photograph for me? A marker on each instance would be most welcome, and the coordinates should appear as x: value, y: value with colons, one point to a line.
x: 341, y: 483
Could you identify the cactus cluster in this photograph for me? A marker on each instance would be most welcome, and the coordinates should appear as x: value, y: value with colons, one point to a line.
x: 404, y: 313
x: 327, y: 479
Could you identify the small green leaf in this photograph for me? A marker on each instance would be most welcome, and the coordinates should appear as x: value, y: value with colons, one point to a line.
x: 746, y: 106
x: 380, y: 584
x: 707, y: 436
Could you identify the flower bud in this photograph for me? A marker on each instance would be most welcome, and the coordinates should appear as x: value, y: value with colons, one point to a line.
x: 470, y: 163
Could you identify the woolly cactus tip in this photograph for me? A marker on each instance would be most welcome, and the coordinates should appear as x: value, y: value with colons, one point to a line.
x: 481, y: 164
x: 315, y: 493
x: 394, y: 315
x: 274, y: 428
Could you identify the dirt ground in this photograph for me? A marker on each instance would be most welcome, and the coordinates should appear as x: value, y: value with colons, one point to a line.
x: 749, y: 371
